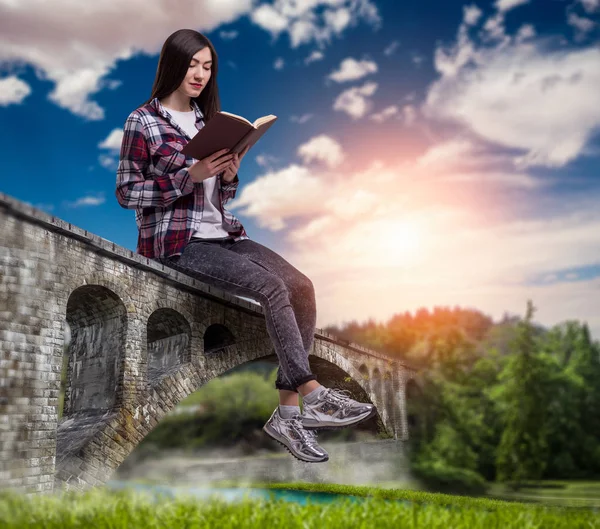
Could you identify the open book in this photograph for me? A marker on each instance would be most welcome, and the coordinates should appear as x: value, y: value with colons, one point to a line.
x: 227, y: 131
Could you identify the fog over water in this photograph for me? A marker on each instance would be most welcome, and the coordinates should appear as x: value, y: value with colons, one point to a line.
x: 351, y: 463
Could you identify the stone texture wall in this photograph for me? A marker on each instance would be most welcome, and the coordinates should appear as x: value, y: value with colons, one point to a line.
x: 143, y: 337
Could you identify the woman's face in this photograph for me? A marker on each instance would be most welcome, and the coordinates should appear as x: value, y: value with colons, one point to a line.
x: 198, y: 74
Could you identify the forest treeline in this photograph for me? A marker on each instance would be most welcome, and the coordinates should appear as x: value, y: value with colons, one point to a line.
x: 508, y: 401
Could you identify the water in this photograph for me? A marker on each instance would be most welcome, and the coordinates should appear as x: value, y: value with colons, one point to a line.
x: 235, y: 494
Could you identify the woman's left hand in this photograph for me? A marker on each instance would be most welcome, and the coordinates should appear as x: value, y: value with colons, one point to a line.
x: 232, y: 169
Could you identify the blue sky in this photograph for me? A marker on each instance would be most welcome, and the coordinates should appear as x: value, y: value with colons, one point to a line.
x: 426, y: 153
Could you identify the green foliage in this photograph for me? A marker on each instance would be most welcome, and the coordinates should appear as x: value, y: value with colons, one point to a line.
x: 439, y: 477
x: 103, y: 509
x: 523, y: 449
x: 230, y: 408
x: 510, y: 401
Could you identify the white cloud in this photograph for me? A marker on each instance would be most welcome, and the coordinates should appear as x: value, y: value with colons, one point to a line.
x: 526, y: 31
x: 471, y: 14
x: 304, y: 31
x: 87, y: 201
x: 13, y: 91
x: 269, y: 18
x: 279, y: 63
x: 391, y: 48
x: 301, y: 119
x: 302, y: 23
x: 350, y: 70
x: 507, y: 5
x: 409, y: 114
x: 520, y: 95
x: 354, y: 101
x: 111, y: 84
x: 338, y: 19
x: 385, y: 114
x: 108, y: 161
x: 77, y: 44
x: 590, y: 6
x: 228, y: 35
x: 465, y: 160
x: 321, y: 148
x: 417, y: 58
x: 265, y: 160
x: 271, y: 198
x: 428, y: 231
x: 314, y: 56
x: 113, y: 140
x: 447, y: 153
x: 494, y: 28
x: 581, y: 24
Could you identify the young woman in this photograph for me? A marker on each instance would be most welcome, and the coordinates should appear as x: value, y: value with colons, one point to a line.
x: 182, y: 222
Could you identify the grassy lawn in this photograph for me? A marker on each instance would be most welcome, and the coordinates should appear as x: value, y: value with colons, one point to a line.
x: 557, y: 493
x: 103, y: 508
x: 560, y: 494
x: 575, y: 493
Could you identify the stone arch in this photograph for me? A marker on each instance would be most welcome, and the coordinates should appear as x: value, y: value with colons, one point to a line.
x: 376, y: 387
x: 97, y: 318
x: 216, y: 337
x: 164, y: 303
x: 119, y: 288
x: 389, y: 395
x: 333, y: 357
x: 168, y: 338
x: 333, y: 370
x: 364, y: 374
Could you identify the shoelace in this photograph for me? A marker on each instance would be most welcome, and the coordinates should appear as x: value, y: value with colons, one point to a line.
x: 308, y: 436
x: 340, y: 396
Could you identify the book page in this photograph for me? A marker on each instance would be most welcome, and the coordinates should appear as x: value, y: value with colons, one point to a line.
x: 235, y: 116
x: 264, y: 119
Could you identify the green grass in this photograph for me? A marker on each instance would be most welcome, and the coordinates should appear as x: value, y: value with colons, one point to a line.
x: 416, y: 497
x: 574, y: 493
x: 126, y: 509
x: 558, y: 493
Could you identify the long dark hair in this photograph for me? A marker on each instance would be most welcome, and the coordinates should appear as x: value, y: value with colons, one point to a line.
x: 173, y: 64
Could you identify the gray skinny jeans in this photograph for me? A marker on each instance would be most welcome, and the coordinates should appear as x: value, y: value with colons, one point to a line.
x: 247, y: 268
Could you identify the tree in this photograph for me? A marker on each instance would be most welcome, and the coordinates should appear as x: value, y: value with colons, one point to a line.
x: 523, y: 448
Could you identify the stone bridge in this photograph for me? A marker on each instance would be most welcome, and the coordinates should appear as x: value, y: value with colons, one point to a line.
x: 142, y: 337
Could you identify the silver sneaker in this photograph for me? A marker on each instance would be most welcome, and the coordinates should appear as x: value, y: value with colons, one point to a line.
x: 335, y: 409
x: 301, y: 443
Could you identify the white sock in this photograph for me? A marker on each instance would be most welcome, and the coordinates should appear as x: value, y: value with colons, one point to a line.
x: 311, y: 398
x: 287, y: 412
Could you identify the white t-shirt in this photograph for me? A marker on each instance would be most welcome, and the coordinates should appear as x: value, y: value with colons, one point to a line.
x: 210, y: 226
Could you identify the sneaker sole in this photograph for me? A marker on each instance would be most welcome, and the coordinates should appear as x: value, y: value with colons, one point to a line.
x: 273, y: 436
x: 337, y: 425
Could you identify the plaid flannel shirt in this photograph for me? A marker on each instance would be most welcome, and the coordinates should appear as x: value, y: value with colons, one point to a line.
x: 153, y: 179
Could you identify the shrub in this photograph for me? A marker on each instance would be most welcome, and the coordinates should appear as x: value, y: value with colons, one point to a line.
x: 438, y: 477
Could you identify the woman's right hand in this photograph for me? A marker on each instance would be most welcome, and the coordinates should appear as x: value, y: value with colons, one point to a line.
x: 210, y: 166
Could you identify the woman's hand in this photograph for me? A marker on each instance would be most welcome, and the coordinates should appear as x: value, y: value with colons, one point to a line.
x: 232, y: 169
x: 210, y: 166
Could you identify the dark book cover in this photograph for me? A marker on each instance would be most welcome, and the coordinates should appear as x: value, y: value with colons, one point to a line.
x: 227, y: 131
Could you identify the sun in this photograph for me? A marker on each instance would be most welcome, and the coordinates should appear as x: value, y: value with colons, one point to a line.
x: 396, y: 242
